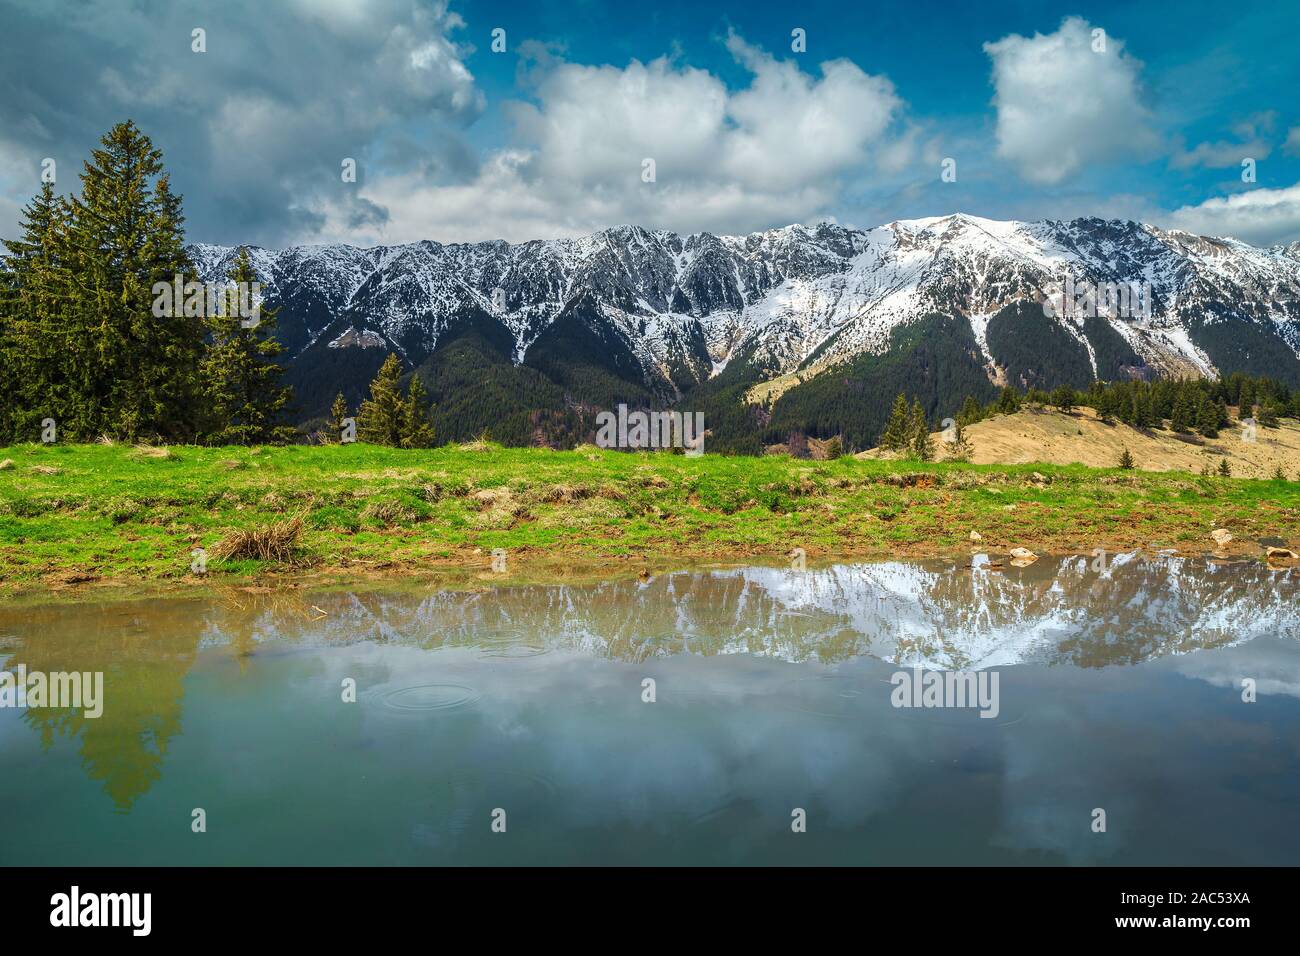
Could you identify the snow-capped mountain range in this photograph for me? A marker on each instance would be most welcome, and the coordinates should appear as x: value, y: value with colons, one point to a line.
x: 799, y: 298
x: 934, y: 615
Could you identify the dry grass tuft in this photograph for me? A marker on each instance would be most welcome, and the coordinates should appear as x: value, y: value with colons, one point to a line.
x: 152, y: 451
x: 7, y: 465
x: 389, y: 513
x: 561, y: 493
x: 46, y: 470
x: 274, y: 542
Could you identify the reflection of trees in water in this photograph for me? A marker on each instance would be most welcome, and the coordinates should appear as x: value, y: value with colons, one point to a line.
x: 144, y: 650
x: 936, y: 615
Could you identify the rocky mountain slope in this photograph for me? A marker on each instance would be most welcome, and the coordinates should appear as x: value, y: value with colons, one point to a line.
x: 947, y: 304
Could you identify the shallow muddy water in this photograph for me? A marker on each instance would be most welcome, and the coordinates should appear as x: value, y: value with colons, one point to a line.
x: 774, y: 692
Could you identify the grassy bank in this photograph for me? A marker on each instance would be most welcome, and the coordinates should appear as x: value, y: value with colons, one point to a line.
x: 72, y: 514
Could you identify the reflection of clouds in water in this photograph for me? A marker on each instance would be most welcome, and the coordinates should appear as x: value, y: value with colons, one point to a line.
x: 1049, y: 793
x: 1272, y: 663
x: 739, y: 730
x: 772, y: 691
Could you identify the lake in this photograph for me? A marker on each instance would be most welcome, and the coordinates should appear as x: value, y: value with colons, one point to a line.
x: 725, y: 716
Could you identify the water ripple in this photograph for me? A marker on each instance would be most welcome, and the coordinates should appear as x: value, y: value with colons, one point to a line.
x: 431, y: 697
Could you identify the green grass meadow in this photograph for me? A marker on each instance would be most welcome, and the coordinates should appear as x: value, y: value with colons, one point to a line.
x: 91, y: 512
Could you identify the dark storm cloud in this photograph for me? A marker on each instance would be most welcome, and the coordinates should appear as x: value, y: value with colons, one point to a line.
x: 255, y: 129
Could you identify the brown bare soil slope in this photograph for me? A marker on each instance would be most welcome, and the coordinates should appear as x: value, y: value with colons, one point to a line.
x: 1048, y: 436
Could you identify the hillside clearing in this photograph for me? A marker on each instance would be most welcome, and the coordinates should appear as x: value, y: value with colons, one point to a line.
x: 1047, y: 436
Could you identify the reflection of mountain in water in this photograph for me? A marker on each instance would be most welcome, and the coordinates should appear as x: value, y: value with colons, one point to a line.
x: 935, y: 615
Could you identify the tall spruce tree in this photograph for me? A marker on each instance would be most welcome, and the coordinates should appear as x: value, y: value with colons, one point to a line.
x: 898, y: 430
x: 129, y: 372
x: 1246, y: 400
x: 244, y: 401
x: 959, y: 449
x: 1183, y: 415
x: 921, y: 445
x: 381, y: 420
x: 1142, y: 417
x: 417, y: 429
x: 1008, y: 401
x: 33, y: 291
x: 970, y: 412
x: 1207, y: 418
x: 338, y: 412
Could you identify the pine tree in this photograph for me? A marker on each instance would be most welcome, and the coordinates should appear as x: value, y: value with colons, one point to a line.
x: 1105, y: 404
x: 1246, y: 401
x: 1182, y: 416
x: 897, y: 432
x: 129, y: 373
x: 1207, y: 418
x: 1063, y: 397
x: 1008, y: 401
x: 381, y: 420
x: 1125, y: 404
x: 1126, y: 460
x: 1141, y: 410
x: 338, y: 412
x: 921, y: 445
x: 960, y: 448
x: 417, y: 429
x: 1224, y: 468
x: 834, y: 448
x: 33, y: 286
x: 244, y: 401
x: 970, y: 412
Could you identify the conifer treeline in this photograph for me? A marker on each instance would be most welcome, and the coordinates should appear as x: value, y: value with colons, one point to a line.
x: 78, y: 341
x: 84, y: 342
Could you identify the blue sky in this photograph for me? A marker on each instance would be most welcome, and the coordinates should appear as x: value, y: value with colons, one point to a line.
x: 1042, y: 115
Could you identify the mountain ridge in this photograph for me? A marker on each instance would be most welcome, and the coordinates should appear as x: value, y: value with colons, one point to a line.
x: 673, y: 312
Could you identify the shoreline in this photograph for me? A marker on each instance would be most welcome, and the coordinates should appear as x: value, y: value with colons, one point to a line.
x: 453, y: 576
x: 93, y: 519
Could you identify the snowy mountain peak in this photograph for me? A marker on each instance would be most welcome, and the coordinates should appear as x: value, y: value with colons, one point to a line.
x: 801, y: 297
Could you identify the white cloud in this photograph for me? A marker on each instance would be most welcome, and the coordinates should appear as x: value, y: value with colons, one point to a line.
x: 1262, y: 217
x: 778, y: 150
x: 254, y: 130
x: 1062, y: 105
x: 1221, y: 154
x: 1292, y: 145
